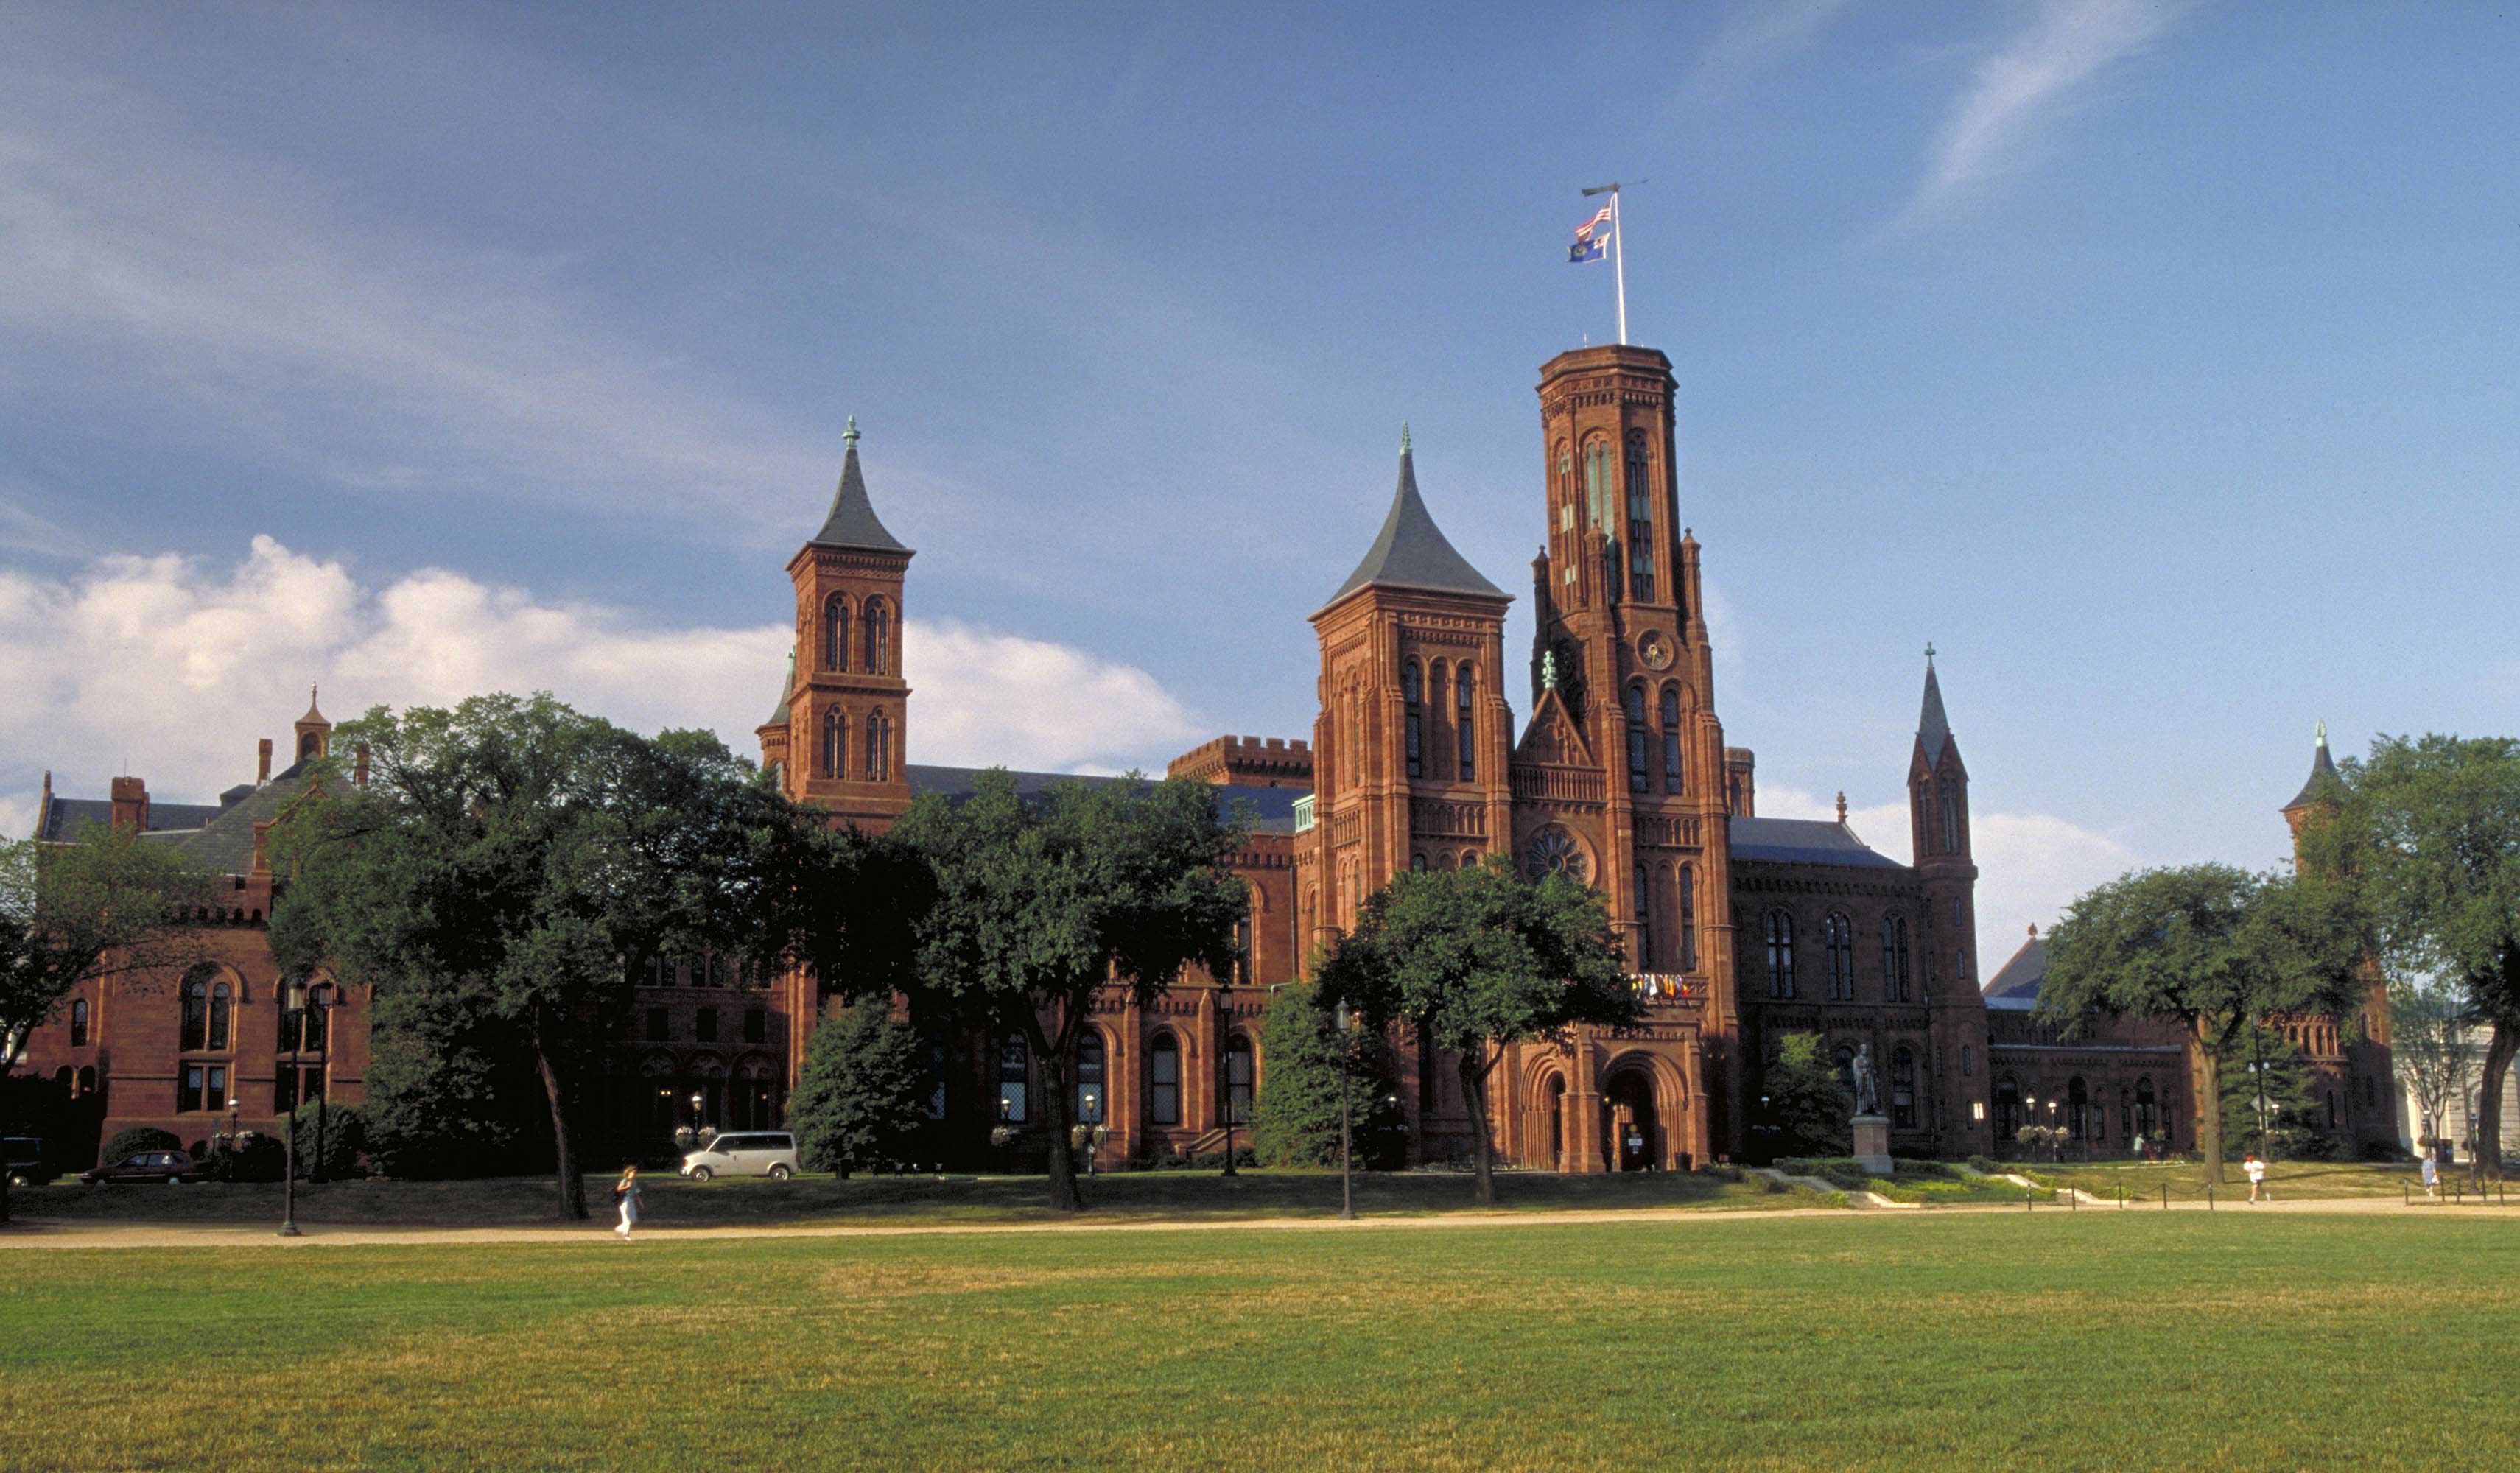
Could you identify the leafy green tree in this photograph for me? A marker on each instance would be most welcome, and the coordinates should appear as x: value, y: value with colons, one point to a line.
x: 2212, y: 949
x: 862, y: 1095
x: 516, y: 852
x: 451, y: 1089
x: 107, y: 904
x: 1296, y: 1120
x: 2267, y: 1106
x: 1041, y: 904
x: 1478, y: 958
x: 2428, y: 1043
x: 2427, y: 831
x: 1808, y: 1099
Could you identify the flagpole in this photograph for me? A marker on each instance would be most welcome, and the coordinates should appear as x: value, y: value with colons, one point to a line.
x: 1619, y: 263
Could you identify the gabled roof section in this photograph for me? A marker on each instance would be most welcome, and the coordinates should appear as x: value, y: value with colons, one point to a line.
x: 2323, y: 785
x: 787, y: 686
x: 62, y: 816
x: 1804, y: 841
x: 1933, y: 728
x: 1410, y: 552
x: 853, y: 522
x: 2018, y: 979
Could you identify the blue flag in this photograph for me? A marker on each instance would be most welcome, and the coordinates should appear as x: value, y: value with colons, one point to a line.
x: 1583, y: 251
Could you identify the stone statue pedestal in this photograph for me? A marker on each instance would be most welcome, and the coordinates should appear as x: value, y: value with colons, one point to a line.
x: 1873, y: 1144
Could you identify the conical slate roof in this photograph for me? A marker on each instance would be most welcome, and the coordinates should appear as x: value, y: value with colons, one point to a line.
x: 1933, y: 728
x: 2323, y: 785
x: 779, y: 712
x: 1410, y: 552
x: 852, y: 522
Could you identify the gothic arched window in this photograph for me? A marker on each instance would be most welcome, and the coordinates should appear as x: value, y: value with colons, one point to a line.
x: 836, y: 745
x: 1645, y: 920
x: 1837, y: 935
x: 1903, y: 1088
x: 1894, y: 958
x: 1641, y: 571
x: 1465, y: 737
x: 1951, y: 824
x: 1597, y: 485
x: 1240, y: 1075
x: 197, y: 1008
x: 879, y: 636
x: 1781, y: 954
x: 836, y: 633
x: 222, y: 1016
x: 878, y: 763
x: 78, y: 1023
x: 1014, y: 1066
x: 1671, y: 769
x: 1416, y: 864
x: 1636, y: 710
x: 1412, y: 696
x: 1688, y: 918
x: 1163, y: 1080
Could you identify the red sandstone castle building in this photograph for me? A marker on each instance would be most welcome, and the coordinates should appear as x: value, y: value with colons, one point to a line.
x: 1740, y: 929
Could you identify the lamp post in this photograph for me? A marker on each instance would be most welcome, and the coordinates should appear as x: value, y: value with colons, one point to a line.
x: 1347, y: 1186
x: 302, y: 1000
x: 696, y: 1114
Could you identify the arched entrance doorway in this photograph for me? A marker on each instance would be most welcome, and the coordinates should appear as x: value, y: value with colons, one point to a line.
x: 1631, y: 1133
x: 1553, y: 1122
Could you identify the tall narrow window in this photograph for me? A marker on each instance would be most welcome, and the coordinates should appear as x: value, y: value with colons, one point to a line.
x: 1412, y: 694
x: 1670, y: 770
x: 1837, y: 934
x: 836, y: 745
x: 1239, y: 1077
x: 1636, y: 707
x: 1894, y: 958
x: 1089, y: 1077
x: 78, y: 1023
x: 1645, y: 920
x: 1781, y: 954
x: 836, y: 633
x: 1641, y: 570
x: 1596, y: 484
x: 1951, y: 825
x: 1163, y: 1081
x: 878, y: 763
x: 1903, y: 1088
x: 1437, y: 712
x: 879, y: 636
x: 222, y: 1015
x: 1013, y: 1066
x: 197, y: 1012
x: 1465, y: 737
x: 1688, y: 918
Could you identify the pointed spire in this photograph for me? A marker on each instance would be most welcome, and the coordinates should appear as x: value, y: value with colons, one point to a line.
x: 786, y: 686
x: 853, y: 522
x: 314, y: 716
x: 1933, y: 728
x: 2323, y: 784
x: 1410, y: 552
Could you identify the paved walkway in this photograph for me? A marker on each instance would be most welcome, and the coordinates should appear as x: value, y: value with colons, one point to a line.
x: 57, y: 1233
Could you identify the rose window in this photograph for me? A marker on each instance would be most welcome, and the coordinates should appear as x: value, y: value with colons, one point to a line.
x: 1553, y: 851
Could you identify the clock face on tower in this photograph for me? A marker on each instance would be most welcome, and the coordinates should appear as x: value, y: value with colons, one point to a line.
x: 1653, y: 649
x: 1553, y: 851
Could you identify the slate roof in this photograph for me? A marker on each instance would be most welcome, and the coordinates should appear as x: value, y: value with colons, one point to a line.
x: 853, y: 522
x: 220, y: 839
x: 1410, y: 552
x: 2323, y: 784
x: 62, y: 816
x: 1273, y: 809
x: 1933, y: 728
x: 2016, y: 982
x: 787, y: 686
x: 1805, y: 841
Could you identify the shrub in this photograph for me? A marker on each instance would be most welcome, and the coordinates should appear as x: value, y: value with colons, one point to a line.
x: 254, y: 1157
x: 144, y: 1137
x: 1297, y: 1120
x: 862, y: 1095
x: 1215, y: 1160
x: 1988, y: 1166
x: 2383, y: 1150
x: 345, y: 1139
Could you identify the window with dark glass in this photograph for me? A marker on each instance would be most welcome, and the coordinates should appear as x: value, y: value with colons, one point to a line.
x: 1464, y: 739
x: 1238, y: 1075
x: 1412, y: 694
x: 293, y: 1085
x: 705, y: 1025
x: 836, y: 633
x: 204, y: 1088
x: 1671, y: 769
x: 78, y: 1022
x: 1837, y: 935
x: 1688, y: 918
x: 836, y: 745
x: 879, y: 636
x: 1635, y: 708
x: 1951, y: 825
x: 659, y: 1025
x: 1163, y: 1081
x: 1645, y: 920
x: 1014, y: 1061
x: 756, y: 1025
x: 2008, y: 1108
x: 878, y: 748
x: 1089, y: 1079
x: 1903, y: 1088
x: 1641, y: 570
x: 1894, y: 958
x: 1781, y: 954
x: 1416, y: 864
x: 1968, y: 1061
x: 197, y: 1012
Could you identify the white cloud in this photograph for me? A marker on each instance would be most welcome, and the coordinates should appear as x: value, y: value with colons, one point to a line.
x: 2030, y: 866
x: 2065, y: 44
x: 1757, y: 33
x: 170, y: 669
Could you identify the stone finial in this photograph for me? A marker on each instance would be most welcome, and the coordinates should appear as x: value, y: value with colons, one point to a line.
x: 850, y: 435
x: 1404, y: 437
x: 1841, y: 805
x: 2034, y: 930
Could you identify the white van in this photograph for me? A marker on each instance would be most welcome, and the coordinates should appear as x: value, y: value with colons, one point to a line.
x: 745, y: 1153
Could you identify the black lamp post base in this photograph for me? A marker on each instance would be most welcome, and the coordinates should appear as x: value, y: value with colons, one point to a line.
x: 289, y: 1230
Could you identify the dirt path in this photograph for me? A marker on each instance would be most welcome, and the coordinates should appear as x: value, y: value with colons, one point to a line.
x: 37, y: 1233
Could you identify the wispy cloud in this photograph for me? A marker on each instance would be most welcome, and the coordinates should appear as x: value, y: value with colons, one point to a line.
x: 1758, y: 32
x: 229, y: 649
x: 2029, y: 80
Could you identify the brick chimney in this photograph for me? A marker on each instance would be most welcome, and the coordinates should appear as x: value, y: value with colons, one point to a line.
x: 262, y: 761
x: 131, y: 804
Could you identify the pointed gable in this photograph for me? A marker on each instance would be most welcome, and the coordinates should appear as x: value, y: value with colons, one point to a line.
x: 1410, y: 552
x: 1552, y: 738
x: 853, y: 522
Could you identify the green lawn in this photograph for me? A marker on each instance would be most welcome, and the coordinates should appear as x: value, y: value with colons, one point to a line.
x: 672, y: 1201
x: 2291, y: 1180
x: 2041, y: 1339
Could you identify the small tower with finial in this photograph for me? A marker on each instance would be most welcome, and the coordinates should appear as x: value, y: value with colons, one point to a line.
x: 314, y: 733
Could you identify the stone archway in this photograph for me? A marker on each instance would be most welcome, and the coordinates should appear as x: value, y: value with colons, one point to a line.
x: 1632, y: 1137
x: 1555, y: 1112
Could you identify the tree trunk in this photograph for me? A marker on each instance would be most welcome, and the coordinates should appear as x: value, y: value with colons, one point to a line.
x: 1051, y: 1059
x: 2205, y: 1082
x: 572, y: 1186
x: 1475, y: 1095
x: 2487, y: 1164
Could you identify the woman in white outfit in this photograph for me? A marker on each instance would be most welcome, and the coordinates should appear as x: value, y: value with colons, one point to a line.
x: 626, y: 1193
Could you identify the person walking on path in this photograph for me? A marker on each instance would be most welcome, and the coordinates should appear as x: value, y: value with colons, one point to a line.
x: 626, y: 1193
x: 2432, y: 1178
x: 2257, y: 1170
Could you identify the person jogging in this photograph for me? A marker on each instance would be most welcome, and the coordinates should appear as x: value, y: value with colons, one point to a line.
x: 2257, y: 1170
x: 626, y: 1193
x: 2432, y: 1178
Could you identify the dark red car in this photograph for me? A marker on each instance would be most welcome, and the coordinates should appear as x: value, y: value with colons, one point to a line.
x: 169, y: 1167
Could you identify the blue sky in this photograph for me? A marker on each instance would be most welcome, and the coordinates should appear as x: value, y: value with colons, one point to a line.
x: 2154, y: 361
